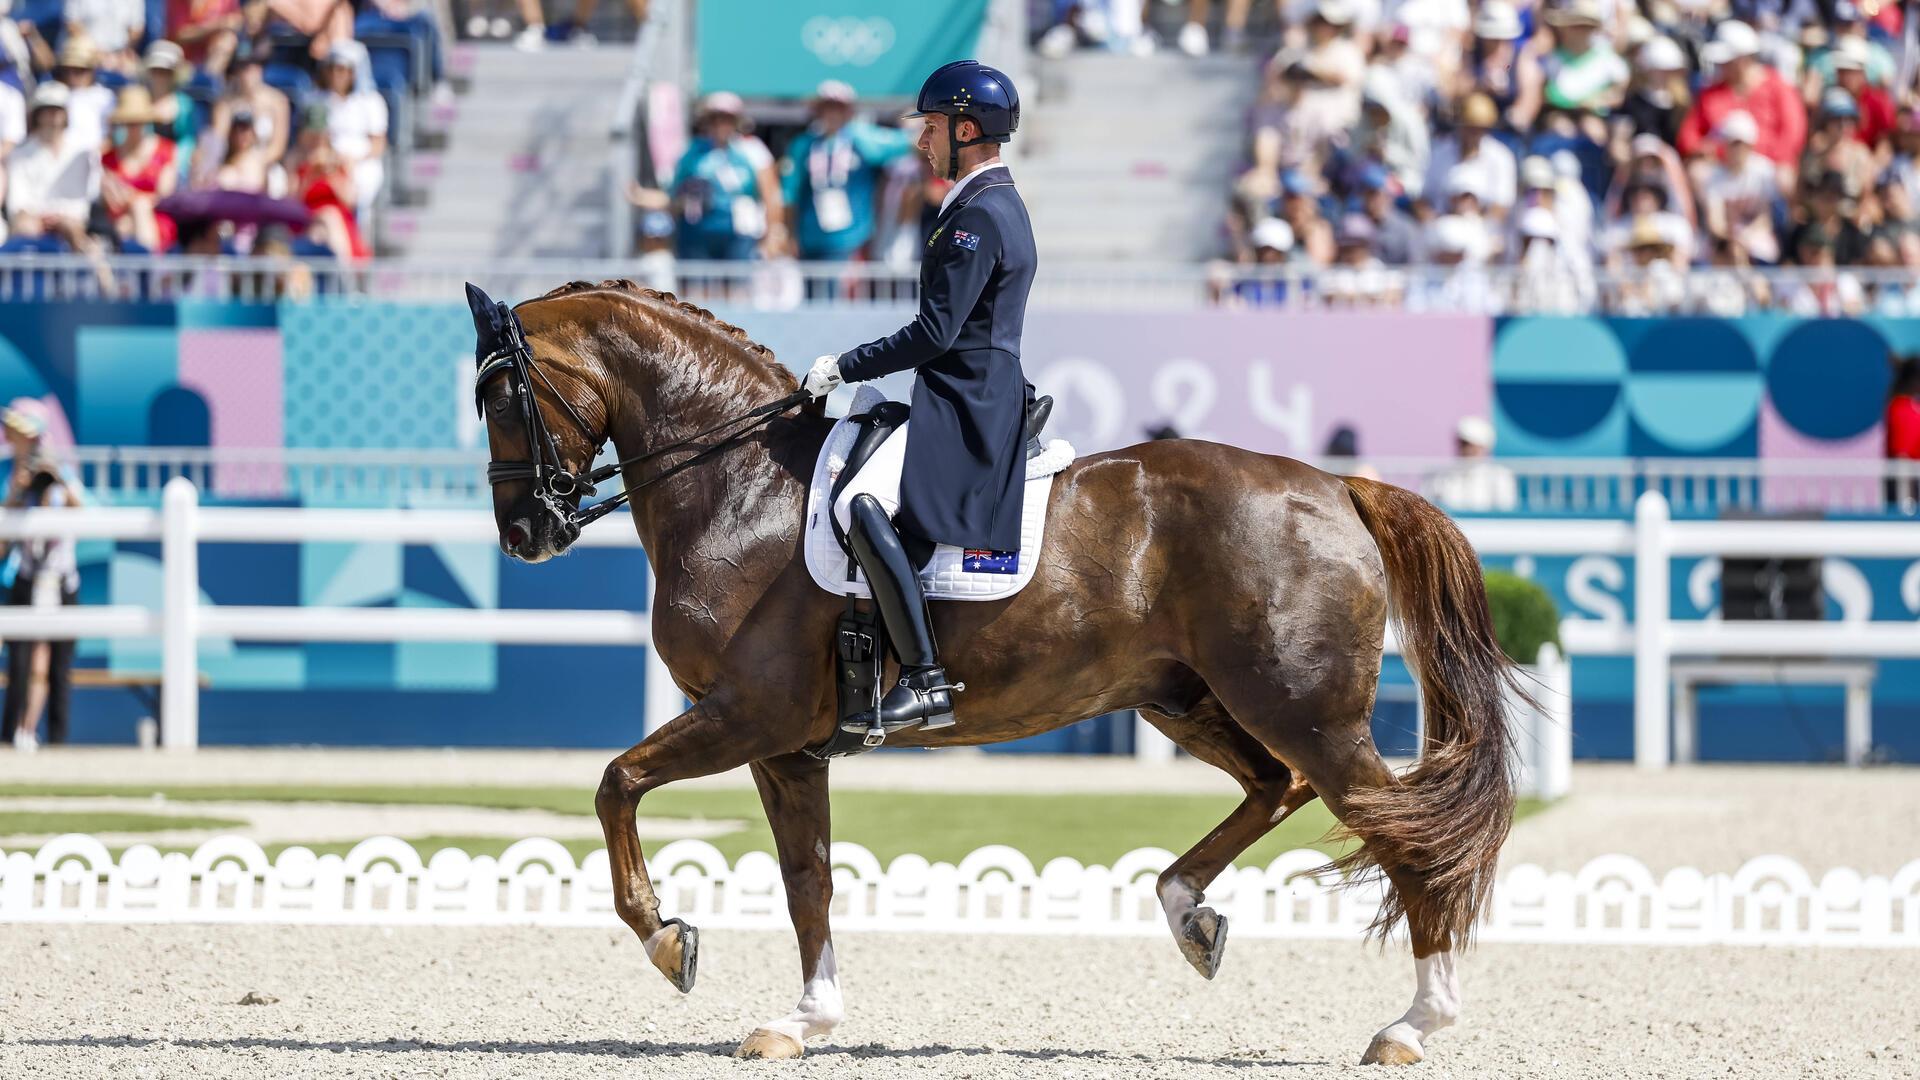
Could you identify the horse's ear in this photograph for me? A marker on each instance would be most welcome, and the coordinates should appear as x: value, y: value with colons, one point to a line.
x: 486, y: 322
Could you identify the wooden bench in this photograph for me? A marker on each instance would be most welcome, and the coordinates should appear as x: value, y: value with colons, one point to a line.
x: 1856, y: 675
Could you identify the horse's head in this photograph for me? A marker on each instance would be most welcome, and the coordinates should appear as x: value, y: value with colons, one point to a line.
x: 535, y: 403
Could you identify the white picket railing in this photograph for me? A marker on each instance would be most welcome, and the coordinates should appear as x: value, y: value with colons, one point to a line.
x: 1615, y: 899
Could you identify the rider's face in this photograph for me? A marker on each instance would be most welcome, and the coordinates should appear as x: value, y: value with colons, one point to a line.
x: 933, y: 141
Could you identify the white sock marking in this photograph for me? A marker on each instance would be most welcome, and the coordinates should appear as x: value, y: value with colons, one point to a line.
x: 820, y: 1009
x: 1436, y: 1002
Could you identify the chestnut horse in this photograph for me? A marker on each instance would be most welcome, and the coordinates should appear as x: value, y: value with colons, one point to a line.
x: 1239, y: 600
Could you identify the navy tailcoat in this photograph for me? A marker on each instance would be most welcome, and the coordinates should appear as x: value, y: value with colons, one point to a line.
x: 965, y: 471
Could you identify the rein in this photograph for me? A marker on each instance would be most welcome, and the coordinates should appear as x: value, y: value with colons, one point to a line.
x: 553, y: 483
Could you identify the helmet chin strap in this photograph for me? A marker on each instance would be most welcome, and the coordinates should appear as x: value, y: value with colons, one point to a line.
x: 954, y: 144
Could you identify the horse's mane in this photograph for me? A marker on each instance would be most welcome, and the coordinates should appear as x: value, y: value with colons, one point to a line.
x: 667, y: 300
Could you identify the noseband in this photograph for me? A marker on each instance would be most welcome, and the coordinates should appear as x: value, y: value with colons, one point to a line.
x: 558, y: 488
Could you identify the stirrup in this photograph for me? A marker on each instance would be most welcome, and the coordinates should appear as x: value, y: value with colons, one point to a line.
x: 874, y: 727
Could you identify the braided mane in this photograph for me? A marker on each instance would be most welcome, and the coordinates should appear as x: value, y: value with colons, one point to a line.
x: 635, y: 289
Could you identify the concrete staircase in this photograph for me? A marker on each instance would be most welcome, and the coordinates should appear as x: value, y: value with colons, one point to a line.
x: 524, y: 172
x: 1130, y: 158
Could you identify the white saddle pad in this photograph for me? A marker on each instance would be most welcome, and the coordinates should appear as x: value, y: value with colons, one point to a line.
x: 952, y: 574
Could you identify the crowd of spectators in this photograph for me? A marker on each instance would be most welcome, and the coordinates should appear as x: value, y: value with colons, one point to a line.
x: 841, y: 188
x: 111, y: 110
x: 1551, y: 152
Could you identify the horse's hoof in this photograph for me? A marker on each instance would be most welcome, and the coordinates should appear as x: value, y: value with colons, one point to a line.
x: 1203, y: 939
x: 1387, y: 1049
x: 677, y: 955
x: 770, y: 1046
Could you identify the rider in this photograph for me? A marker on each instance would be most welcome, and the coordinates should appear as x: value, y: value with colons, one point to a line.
x: 957, y: 476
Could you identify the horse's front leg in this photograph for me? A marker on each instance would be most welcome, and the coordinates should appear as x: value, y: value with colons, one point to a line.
x: 698, y: 742
x: 793, y: 789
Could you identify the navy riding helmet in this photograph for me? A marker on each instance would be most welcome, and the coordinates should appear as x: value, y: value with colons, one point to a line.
x: 970, y: 90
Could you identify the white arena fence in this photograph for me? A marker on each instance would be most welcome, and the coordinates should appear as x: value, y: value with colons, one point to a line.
x: 1614, y: 899
x: 1652, y: 540
x: 1542, y: 486
x: 789, y: 285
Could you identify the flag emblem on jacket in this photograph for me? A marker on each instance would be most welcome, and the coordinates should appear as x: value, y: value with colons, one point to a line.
x: 965, y: 239
x: 981, y: 561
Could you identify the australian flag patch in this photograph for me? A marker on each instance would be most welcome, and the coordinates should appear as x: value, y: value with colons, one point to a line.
x: 965, y: 239
x: 981, y: 561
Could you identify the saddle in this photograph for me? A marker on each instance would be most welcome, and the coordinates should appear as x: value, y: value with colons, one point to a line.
x: 860, y: 642
x: 880, y: 421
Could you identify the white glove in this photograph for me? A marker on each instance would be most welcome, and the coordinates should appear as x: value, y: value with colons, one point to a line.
x: 823, y: 376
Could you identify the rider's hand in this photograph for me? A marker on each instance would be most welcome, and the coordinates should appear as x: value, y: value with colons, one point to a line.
x: 823, y: 376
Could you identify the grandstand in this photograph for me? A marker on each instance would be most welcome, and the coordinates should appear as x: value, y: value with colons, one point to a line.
x: 1624, y: 247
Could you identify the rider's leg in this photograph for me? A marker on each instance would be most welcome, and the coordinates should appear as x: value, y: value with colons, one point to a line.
x: 923, y: 693
x: 865, y: 509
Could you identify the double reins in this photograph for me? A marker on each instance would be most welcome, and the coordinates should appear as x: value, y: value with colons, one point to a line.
x: 553, y: 483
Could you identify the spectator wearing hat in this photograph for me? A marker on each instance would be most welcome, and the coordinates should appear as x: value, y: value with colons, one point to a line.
x: 1475, y: 483
x: 831, y: 175
x: 248, y: 93
x: 1652, y: 281
x: 1391, y: 131
x: 174, y: 116
x: 1849, y: 63
x: 1397, y: 237
x: 52, y: 179
x: 1497, y: 63
x: 1331, y: 66
x: 1653, y: 180
x: 46, y: 575
x: 1543, y: 187
x: 1409, y: 76
x: 1583, y: 73
x: 1460, y: 283
x: 1751, y: 87
x: 1467, y: 199
x: 137, y: 173
x: 1659, y: 94
x: 1850, y: 40
x: 1271, y: 243
x: 1471, y: 150
x: 88, y: 103
x: 1833, y: 144
x: 113, y: 27
x: 725, y: 192
x: 356, y: 122
x: 1548, y: 280
x: 1739, y: 193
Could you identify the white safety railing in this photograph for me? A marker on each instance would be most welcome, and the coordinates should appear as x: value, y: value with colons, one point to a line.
x: 1614, y: 899
x: 1541, y: 486
x: 1652, y: 540
x: 181, y: 525
x: 785, y: 285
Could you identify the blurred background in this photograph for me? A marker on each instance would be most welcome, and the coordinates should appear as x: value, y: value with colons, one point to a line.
x: 1535, y: 261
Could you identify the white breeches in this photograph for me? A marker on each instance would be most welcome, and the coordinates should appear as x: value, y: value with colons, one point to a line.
x: 879, y: 477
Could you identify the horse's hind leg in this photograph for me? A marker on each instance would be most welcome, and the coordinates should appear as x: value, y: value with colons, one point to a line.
x: 1327, y: 737
x: 1208, y: 733
x: 793, y: 789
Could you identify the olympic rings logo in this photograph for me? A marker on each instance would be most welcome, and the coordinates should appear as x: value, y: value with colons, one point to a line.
x: 847, y: 39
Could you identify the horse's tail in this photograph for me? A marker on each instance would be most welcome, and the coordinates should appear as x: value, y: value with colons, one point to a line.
x: 1445, y: 820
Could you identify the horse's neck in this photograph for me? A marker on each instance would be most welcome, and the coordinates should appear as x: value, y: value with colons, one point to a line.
x: 742, y: 507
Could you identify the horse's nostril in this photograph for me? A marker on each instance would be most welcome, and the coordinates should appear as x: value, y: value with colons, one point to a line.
x: 516, y: 536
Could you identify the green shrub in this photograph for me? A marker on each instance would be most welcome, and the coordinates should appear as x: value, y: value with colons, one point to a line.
x: 1524, y: 616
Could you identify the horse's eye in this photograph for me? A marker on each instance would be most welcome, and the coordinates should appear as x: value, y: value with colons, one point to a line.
x: 498, y: 406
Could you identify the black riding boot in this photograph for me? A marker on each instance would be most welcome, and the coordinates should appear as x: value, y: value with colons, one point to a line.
x: 923, y: 695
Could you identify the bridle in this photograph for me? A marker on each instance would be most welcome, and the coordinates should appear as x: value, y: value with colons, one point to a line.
x: 558, y: 488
